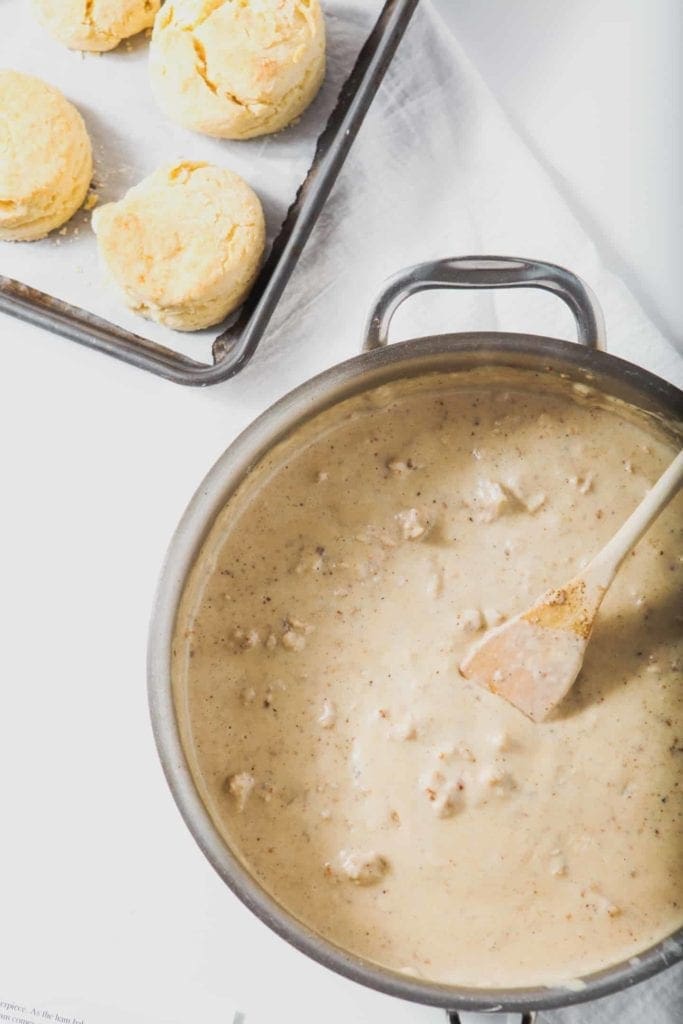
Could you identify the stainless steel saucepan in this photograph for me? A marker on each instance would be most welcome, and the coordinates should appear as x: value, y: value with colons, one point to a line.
x: 585, y: 364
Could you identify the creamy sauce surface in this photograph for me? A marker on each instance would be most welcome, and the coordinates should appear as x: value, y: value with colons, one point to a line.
x: 397, y: 809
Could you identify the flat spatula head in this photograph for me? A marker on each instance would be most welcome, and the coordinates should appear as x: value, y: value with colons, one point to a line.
x: 533, y: 660
x: 529, y: 665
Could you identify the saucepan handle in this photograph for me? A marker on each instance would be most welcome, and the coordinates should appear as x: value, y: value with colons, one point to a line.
x: 523, y: 1017
x: 488, y: 272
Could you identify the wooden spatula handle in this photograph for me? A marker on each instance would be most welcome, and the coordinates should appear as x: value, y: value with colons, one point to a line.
x: 605, y: 564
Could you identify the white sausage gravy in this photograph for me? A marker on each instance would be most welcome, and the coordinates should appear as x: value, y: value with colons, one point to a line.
x: 396, y: 809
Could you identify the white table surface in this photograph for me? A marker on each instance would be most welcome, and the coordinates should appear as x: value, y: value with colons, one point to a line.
x: 596, y: 89
x: 108, y: 911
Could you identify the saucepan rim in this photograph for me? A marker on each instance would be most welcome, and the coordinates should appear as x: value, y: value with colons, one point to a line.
x: 417, y: 357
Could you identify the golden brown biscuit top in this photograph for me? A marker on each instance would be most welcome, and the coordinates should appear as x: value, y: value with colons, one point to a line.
x: 175, y: 236
x: 42, y: 138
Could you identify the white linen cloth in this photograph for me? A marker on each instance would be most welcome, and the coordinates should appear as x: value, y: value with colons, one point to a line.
x: 438, y: 171
x: 109, y: 912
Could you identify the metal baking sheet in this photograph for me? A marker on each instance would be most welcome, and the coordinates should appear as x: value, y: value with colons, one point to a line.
x: 56, y: 283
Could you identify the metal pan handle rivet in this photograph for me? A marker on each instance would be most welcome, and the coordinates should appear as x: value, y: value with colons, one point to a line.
x: 525, y: 1017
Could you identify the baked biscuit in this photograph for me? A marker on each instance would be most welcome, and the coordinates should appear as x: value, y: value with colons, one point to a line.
x: 184, y: 245
x: 96, y: 24
x: 45, y: 157
x: 236, y: 70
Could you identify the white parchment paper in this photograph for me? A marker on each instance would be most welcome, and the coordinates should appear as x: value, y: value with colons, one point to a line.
x: 131, y: 138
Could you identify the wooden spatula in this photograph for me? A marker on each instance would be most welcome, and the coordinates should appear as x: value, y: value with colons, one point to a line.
x: 533, y: 659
